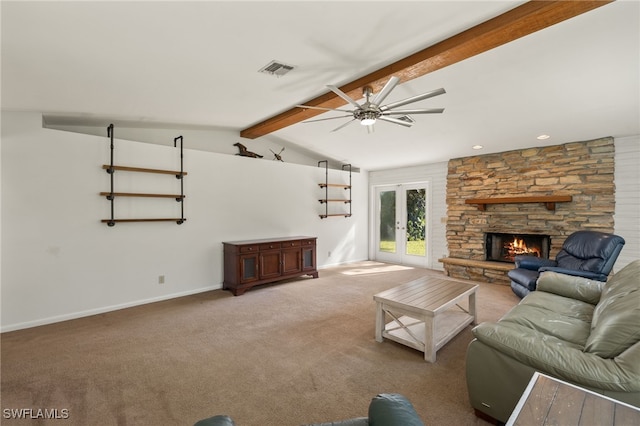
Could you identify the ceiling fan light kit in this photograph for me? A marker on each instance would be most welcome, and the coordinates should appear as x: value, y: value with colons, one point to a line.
x: 371, y: 110
x: 367, y: 118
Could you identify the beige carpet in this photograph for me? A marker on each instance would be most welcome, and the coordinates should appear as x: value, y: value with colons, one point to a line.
x: 297, y: 352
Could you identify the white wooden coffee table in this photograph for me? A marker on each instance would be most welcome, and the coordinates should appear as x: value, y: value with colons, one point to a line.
x: 426, y: 313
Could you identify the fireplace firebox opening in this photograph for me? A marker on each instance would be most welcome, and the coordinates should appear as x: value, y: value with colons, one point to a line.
x: 503, y: 247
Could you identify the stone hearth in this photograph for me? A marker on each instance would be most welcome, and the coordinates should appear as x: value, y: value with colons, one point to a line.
x: 582, y: 170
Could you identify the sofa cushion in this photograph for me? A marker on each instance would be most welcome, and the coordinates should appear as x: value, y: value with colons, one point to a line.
x: 566, y: 319
x: 616, y: 319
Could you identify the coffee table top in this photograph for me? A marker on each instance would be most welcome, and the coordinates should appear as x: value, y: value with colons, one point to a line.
x: 427, y: 295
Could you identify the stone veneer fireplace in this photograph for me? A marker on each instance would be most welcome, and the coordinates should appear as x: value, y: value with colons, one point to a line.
x: 580, y: 174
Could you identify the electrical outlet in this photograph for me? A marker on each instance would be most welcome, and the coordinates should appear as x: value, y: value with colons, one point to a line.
x: 160, y: 279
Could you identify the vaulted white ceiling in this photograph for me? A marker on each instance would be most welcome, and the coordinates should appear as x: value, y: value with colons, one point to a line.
x: 196, y: 64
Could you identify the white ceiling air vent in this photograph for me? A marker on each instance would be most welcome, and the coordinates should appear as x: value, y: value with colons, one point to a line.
x: 276, y: 68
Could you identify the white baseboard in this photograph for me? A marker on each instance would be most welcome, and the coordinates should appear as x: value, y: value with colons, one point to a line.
x: 102, y: 310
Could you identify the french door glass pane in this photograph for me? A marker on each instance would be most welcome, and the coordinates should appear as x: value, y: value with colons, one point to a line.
x: 388, y: 221
x: 415, y: 235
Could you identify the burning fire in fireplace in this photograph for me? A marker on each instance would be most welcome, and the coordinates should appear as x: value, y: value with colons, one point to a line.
x: 519, y: 247
x: 503, y: 247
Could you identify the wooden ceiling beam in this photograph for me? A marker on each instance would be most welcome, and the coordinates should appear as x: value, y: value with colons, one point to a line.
x: 518, y: 22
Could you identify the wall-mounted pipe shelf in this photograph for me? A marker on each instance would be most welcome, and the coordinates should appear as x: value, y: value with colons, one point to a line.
x: 109, y: 195
x: 326, y: 185
x: 335, y: 185
x: 549, y: 201
x: 111, y: 169
x: 177, y: 220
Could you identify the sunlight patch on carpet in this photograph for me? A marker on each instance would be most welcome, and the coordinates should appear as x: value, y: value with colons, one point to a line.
x: 377, y: 270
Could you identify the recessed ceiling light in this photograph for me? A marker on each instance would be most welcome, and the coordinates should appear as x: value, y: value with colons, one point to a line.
x: 477, y: 147
x: 543, y: 137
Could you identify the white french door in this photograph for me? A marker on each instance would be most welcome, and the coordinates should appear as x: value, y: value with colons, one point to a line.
x: 401, y: 219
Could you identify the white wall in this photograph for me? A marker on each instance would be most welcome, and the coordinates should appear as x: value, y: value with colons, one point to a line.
x: 627, y: 214
x: 60, y: 262
x: 436, y: 177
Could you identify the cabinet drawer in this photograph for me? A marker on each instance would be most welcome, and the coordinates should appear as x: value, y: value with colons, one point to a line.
x: 269, y: 246
x: 288, y: 244
x: 308, y: 242
x: 248, y: 249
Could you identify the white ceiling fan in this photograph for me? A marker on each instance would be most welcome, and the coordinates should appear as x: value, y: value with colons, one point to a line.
x: 371, y: 110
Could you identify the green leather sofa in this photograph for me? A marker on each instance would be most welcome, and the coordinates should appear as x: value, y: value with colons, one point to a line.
x: 582, y: 331
x: 387, y: 409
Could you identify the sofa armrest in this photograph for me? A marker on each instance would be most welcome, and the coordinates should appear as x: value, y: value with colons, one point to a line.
x: 573, y: 287
x: 533, y: 263
x: 575, y: 273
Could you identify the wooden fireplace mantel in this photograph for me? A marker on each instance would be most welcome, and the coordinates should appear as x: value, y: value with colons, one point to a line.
x: 548, y: 200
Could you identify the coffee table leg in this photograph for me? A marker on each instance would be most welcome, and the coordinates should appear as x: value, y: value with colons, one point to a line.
x: 379, y: 321
x: 472, y: 308
x: 429, y: 339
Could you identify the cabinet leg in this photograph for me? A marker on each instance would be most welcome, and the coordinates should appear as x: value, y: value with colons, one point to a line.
x: 238, y: 291
x: 235, y: 290
x: 314, y: 274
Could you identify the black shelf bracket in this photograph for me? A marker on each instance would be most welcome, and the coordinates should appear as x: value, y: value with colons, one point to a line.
x: 349, y: 202
x: 180, y: 176
x: 110, y: 170
x: 326, y: 187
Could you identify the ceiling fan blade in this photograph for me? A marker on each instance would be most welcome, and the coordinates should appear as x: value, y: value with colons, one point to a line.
x: 413, y: 99
x: 321, y: 108
x: 344, y: 96
x: 395, y: 121
x: 329, y: 118
x: 391, y: 84
x: 414, y: 111
x: 343, y: 125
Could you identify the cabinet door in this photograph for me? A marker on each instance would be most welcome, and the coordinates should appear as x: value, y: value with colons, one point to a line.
x: 308, y: 258
x: 270, y: 264
x: 291, y: 261
x: 248, y: 267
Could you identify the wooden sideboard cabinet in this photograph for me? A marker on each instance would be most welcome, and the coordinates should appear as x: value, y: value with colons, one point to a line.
x: 253, y: 262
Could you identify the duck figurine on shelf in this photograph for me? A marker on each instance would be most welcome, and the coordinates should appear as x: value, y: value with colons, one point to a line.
x: 244, y: 152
